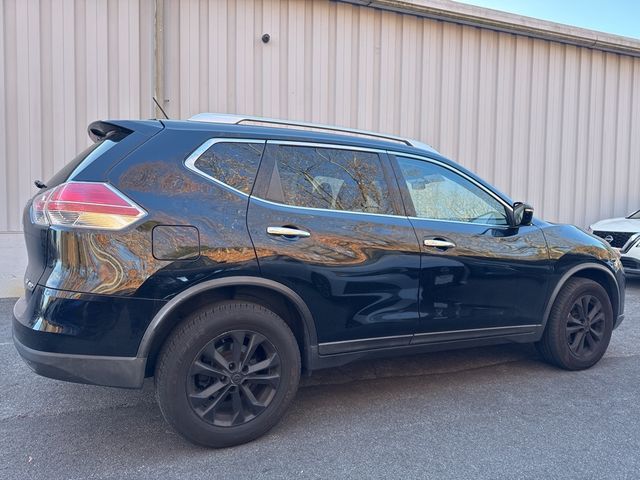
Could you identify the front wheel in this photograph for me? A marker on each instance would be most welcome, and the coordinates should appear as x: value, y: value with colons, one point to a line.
x: 227, y: 374
x: 579, y: 327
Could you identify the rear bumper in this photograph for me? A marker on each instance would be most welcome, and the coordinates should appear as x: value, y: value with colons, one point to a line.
x: 125, y: 372
x: 61, y: 321
x: 50, y: 336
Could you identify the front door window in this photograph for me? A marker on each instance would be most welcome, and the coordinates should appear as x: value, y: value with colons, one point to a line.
x: 438, y: 193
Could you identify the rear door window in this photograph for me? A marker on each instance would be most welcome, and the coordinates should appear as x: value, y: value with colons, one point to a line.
x: 328, y: 178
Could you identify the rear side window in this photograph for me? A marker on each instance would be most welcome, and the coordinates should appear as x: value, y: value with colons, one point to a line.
x: 233, y: 163
x: 328, y: 178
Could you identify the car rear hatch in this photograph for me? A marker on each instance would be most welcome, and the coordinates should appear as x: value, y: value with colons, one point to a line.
x: 113, y: 141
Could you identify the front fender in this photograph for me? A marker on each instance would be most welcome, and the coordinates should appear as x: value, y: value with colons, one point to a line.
x: 574, y: 252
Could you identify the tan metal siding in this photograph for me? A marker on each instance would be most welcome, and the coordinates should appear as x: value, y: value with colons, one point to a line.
x: 633, y: 173
x: 4, y: 170
x: 546, y: 122
x: 64, y: 64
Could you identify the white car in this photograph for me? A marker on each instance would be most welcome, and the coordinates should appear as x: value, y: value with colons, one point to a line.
x: 622, y: 233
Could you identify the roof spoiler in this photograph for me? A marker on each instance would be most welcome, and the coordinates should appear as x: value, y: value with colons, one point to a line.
x: 100, y: 130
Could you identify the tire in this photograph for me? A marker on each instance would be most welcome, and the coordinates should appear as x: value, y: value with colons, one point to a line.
x: 203, y: 394
x: 571, y: 340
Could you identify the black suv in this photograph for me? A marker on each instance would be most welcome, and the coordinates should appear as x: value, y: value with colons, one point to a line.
x: 225, y: 255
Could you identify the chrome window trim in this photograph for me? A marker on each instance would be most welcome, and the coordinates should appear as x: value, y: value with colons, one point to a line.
x: 350, y: 212
x: 198, y: 152
x: 284, y: 205
x: 490, y: 225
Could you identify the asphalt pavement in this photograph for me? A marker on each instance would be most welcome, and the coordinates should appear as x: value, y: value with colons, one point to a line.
x: 497, y: 412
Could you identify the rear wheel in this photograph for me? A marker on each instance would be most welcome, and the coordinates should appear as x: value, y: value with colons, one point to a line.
x: 579, y: 327
x: 227, y: 374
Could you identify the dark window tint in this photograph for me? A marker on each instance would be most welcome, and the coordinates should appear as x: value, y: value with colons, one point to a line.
x: 232, y: 163
x: 329, y: 178
x: 82, y: 160
x: 438, y: 193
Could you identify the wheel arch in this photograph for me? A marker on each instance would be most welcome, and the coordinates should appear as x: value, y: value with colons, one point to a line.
x: 593, y: 271
x: 237, y: 287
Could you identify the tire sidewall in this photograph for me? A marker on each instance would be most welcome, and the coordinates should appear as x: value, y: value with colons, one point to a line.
x: 558, y: 325
x: 171, y: 382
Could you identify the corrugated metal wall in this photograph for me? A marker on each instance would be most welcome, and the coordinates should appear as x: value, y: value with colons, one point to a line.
x: 63, y: 64
x: 549, y: 123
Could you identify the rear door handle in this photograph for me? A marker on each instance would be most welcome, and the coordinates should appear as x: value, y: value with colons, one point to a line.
x: 439, y: 243
x: 288, y: 232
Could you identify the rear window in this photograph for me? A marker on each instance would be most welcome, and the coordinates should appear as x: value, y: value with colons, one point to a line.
x: 233, y: 163
x: 329, y: 178
x: 80, y: 162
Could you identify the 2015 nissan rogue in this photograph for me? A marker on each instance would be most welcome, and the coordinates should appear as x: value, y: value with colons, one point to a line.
x: 225, y: 255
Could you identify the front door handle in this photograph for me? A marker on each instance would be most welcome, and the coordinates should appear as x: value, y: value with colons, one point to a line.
x: 439, y: 243
x: 288, y: 232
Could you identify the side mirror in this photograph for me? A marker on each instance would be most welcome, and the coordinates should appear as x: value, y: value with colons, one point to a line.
x: 522, y: 214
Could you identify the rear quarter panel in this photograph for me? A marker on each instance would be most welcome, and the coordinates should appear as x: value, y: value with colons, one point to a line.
x: 122, y: 263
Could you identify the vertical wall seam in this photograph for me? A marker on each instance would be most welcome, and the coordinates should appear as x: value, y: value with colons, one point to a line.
x: 576, y: 160
x: 546, y: 114
x: 509, y: 162
x: 632, y: 98
x: 158, y: 47
x: 563, y: 83
x: 3, y: 121
x: 615, y: 129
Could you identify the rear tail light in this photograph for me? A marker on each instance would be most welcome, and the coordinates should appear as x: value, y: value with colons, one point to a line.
x: 85, y: 205
x: 38, y: 215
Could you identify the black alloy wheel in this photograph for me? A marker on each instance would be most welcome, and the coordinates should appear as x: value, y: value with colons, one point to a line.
x: 585, y: 325
x: 234, y: 378
x: 227, y: 373
x: 579, y: 326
